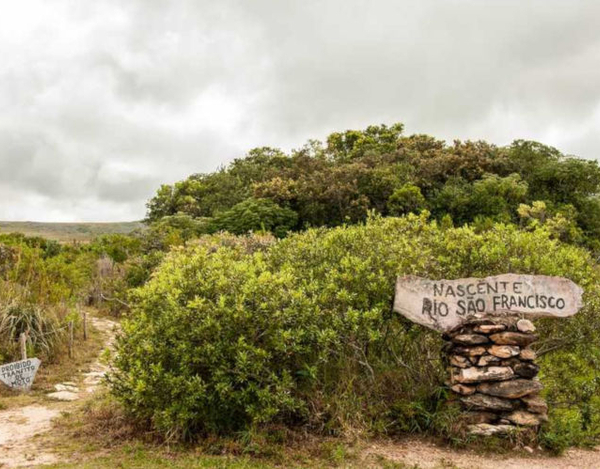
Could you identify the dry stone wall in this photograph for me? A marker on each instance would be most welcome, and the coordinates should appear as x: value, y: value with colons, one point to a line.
x: 493, y: 374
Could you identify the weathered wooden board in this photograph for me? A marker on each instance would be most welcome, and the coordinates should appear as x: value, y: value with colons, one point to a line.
x: 19, y: 375
x: 444, y: 304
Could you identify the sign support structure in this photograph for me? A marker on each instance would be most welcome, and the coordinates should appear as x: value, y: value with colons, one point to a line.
x: 492, y: 369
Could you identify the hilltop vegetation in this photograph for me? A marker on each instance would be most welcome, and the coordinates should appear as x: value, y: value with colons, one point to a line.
x: 379, y: 169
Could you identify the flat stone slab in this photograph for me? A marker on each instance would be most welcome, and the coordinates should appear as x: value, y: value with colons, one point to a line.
x: 526, y: 419
x: 460, y: 362
x: 63, y: 396
x: 470, y: 339
x: 463, y: 389
x: 488, y: 360
x: 66, y: 387
x: 512, y: 389
x: 485, y: 429
x: 484, y: 373
x: 526, y: 370
x: 535, y: 404
x: 443, y: 305
x: 513, y: 338
x: 504, y: 351
x: 484, y: 402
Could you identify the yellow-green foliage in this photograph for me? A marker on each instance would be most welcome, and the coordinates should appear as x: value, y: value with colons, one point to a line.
x: 40, y: 283
x: 224, y: 338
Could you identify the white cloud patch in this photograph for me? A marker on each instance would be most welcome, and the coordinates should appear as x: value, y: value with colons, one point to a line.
x: 104, y: 101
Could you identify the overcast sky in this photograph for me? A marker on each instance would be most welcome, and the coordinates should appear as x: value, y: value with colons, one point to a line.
x: 102, y: 101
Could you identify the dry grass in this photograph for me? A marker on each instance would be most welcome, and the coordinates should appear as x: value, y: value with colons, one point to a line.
x: 98, y: 434
x: 49, y: 374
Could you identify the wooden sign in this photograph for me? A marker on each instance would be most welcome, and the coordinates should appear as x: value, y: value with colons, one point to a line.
x: 444, y: 304
x: 19, y: 375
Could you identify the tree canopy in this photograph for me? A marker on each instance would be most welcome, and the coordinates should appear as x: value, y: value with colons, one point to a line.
x: 380, y: 169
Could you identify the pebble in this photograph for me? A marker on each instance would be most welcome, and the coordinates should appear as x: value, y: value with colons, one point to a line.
x: 525, y: 325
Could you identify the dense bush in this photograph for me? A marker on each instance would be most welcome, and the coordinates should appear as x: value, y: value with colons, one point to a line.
x: 41, y: 282
x: 230, y: 336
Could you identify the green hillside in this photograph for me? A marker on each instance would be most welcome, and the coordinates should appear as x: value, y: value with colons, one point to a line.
x: 65, y: 232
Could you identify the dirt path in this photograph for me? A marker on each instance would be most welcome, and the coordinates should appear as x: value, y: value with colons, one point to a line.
x: 427, y: 455
x: 20, y: 428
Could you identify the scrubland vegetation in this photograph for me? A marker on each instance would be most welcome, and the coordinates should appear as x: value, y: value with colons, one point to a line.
x: 68, y: 232
x: 259, y: 297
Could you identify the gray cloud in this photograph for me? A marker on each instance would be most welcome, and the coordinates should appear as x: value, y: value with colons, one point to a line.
x: 104, y: 101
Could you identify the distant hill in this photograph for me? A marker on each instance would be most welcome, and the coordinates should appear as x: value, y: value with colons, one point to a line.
x: 66, y: 232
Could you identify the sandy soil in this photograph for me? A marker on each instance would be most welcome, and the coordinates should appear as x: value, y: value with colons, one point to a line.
x: 20, y: 427
x: 427, y: 455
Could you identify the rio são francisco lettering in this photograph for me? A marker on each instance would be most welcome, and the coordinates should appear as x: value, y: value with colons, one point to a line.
x: 481, y: 297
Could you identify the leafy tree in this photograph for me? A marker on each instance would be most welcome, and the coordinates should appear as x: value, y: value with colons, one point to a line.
x: 406, y: 199
x: 256, y: 215
x: 352, y: 144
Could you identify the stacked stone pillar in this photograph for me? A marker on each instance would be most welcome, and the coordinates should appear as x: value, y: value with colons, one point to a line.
x: 493, y: 374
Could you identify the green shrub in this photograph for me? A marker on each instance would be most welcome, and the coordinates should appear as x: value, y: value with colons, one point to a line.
x: 224, y: 339
x: 40, y: 283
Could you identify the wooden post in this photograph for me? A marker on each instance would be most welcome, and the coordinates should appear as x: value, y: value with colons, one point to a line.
x: 84, y: 325
x: 23, y: 344
x: 70, y: 339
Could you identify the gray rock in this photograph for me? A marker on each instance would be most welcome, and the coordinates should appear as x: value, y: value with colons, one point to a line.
x: 469, y: 351
x: 525, y: 325
x: 470, y: 339
x: 513, y: 389
x: 486, y: 373
x: 66, y: 387
x: 485, y: 429
x: 528, y: 354
x: 504, y: 351
x: 487, y: 360
x: 460, y: 361
x: 463, y: 389
x: 524, y: 418
x: 535, y: 404
x: 513, y: 338
x: 526, y: 369
x: 475, y: 417
x: 63, y: 396
x: 489, y: 328
x: 484, y: 402
x: 510, y: 362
